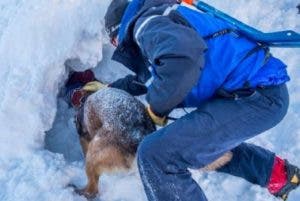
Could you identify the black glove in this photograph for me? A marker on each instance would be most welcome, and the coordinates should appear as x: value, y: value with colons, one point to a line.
x: 130, y: 84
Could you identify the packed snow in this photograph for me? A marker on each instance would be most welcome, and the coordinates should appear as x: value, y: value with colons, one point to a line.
x: 39, y: 149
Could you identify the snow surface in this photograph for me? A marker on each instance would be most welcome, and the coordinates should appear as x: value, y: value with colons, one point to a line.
x: 37, y: 37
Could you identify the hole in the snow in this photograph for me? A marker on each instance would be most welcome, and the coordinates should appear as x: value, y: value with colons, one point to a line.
x: 62, y: 137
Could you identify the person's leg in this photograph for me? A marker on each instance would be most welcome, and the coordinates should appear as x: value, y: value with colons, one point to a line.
x: 260, y: 166
x: 201, y: 137
x: 252, y: 163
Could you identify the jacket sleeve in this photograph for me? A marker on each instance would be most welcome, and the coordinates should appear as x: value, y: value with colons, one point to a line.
x: 131, y: 84
x: 176, y: 53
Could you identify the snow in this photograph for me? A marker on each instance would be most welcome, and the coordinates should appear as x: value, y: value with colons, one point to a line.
x: 37, y: 37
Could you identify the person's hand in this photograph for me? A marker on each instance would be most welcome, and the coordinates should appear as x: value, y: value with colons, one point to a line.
x: 160, y: 121
x: 93, y: 86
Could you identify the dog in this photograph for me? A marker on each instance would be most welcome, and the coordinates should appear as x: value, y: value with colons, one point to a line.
x: 111, y: 125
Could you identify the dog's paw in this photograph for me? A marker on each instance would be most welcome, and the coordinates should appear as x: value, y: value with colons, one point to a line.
x: 84, y: 192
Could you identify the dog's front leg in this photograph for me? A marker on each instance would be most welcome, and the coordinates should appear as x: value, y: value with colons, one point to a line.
x: 101, y: 156
x: 84, y: 145
x: 91, y: 190
x: 93, y: 170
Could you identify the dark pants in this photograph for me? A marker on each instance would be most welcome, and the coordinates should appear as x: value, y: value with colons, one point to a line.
x: 201, y: 137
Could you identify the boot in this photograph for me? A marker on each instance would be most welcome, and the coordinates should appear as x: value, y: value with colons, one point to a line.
x: 293, y: 181
x: 285, y: 177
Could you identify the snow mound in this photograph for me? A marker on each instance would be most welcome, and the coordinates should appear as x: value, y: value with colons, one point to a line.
x: 36, y: 38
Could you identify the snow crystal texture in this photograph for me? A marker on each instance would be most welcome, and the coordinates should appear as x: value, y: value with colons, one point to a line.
x: 120, y: 115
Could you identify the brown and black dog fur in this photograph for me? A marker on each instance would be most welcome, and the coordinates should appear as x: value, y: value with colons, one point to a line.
x: 112, y: 125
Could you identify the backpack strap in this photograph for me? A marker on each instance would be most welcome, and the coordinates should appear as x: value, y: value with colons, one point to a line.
x: 218, y: 34
x: 258, y: 47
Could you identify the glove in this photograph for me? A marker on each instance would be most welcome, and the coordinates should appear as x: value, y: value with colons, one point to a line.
x: 160, y: 121
x: 93, y: 86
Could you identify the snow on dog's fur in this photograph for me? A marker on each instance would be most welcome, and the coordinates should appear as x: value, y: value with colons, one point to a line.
x: 113, y: 125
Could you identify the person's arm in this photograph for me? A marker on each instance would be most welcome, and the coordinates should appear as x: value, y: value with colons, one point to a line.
x: 177, y: 54
x: 131, y: 84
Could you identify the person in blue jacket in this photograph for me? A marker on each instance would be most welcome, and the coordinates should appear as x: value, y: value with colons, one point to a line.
x: 184, y: 58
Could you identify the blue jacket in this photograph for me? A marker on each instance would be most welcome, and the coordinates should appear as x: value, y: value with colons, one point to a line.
x: 187, y: 69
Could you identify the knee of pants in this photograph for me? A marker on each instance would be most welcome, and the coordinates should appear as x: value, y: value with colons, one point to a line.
x: 148, y: 149
x: 155, y: 152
